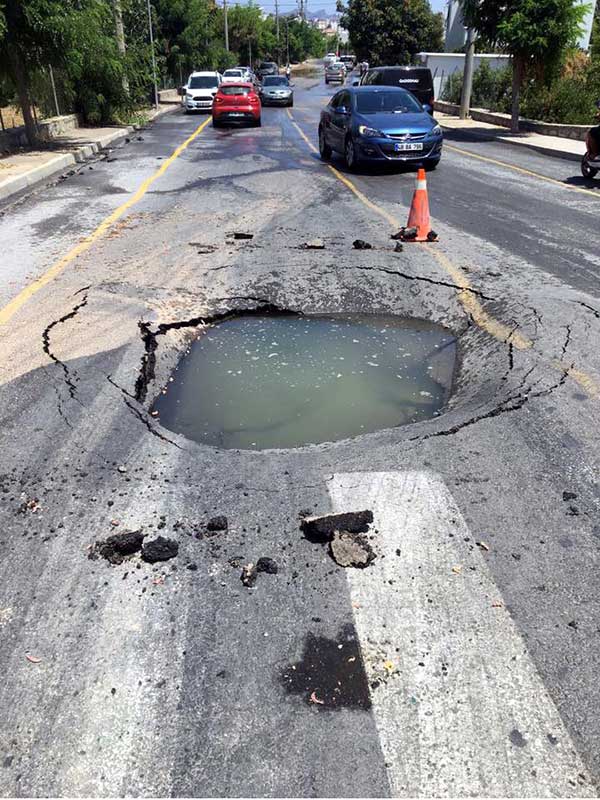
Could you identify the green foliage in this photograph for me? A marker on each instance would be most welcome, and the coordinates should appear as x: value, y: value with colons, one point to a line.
x: 568, y: 99
x: 77, y: 37
x: 491, y: 88
x: 392, y: 31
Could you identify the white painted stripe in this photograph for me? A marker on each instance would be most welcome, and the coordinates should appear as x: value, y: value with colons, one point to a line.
x: 457, y: 681
x: 421, y: 185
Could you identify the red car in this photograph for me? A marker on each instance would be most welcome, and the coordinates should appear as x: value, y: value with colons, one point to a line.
x: 236, y: 102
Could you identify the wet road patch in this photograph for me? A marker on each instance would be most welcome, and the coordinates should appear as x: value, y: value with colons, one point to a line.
x: 331, y: 673
x: 283, y: 381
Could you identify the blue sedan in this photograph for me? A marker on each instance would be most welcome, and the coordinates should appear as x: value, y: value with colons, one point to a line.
x: 379, y: 123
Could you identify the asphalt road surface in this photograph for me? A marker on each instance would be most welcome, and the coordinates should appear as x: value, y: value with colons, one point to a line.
x: 464, y: 660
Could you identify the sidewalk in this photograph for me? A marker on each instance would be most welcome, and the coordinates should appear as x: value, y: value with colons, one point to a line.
x: 549, y: 145
x: 24, y: 170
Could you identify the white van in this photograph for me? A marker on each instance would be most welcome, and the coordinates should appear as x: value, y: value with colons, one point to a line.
x: 198, y: 93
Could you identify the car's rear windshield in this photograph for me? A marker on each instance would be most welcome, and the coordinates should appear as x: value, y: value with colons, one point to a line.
x: 386, y: 102
x: 337, y: 65
x: 346, y: 58
x: 235, y: 90
x: 203, y: 82
x: 268, y: 65
x: 407, y: 78
x: 232, y: 73
x: 272, y: 80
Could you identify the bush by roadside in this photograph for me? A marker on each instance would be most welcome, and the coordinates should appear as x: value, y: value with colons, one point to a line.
x: 568, y: 99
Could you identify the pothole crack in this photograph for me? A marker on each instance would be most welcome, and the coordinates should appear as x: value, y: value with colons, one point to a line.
x: 68, y: 378
x: 431, y: 281
x: 150, y: 337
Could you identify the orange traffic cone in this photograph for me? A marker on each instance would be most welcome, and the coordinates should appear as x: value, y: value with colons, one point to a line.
x: 418, y: 228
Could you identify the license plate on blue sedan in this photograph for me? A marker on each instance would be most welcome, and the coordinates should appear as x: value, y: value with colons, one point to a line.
x: 401, y: 147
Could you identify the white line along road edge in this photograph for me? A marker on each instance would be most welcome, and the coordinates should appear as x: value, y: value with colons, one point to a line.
x: 458, y: 703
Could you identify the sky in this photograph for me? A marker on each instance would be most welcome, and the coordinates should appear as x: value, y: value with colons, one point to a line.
x: 327, y: 5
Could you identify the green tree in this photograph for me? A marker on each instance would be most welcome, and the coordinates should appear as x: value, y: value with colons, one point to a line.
x: 392, y: 31
x: 33, y: 33
x: 537, y: 33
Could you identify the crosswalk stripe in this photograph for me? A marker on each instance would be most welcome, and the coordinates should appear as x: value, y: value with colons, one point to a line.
x: 459, y: 705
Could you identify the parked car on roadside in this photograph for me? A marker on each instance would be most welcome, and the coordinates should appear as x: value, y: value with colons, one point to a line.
x: 379, y: 123
x: 267, y: 68
x: 276, y: 90
x: 335, y: 72
x: 199, y: 91
x: 236, y: 103
x: 349, y: 61
x: 417, y: 80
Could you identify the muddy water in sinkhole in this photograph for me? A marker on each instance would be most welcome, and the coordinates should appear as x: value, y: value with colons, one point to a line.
x: 259, y: 382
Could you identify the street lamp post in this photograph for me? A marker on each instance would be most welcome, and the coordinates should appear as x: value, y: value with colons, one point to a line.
x: 226, y: 25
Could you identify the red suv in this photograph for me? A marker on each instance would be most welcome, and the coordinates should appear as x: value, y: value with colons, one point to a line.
x: 236, y: 102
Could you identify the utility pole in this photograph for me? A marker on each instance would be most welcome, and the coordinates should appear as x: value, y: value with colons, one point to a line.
x: 465, y: 100
x: 250, y: 52
x: 287, y: 39
x: 277, y: 30
x: 120, y: 36
x: 226, y: 25
x: 54, y: 90
x: 153, y: 56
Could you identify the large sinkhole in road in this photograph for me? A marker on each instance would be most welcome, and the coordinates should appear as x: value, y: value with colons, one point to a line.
x: 282, y: 381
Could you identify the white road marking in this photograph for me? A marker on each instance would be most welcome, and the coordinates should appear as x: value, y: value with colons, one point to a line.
x: 461, y: 709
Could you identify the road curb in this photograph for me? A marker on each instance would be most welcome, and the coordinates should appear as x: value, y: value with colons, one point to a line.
x: 18, y: 184
x: 540, y: 148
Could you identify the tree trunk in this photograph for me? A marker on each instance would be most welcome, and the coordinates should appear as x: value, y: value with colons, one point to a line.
x: 517, y: 80
x: 19, y: 73
x: 120, y: 35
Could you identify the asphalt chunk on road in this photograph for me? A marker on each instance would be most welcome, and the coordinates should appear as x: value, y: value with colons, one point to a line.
x: 159, y: 549
x: 116, y: 548
x: 322, y: 529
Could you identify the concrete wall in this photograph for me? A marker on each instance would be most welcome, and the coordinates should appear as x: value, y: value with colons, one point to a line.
x: 48, y: 129
x: 576, y: 132
x: 442, y: 65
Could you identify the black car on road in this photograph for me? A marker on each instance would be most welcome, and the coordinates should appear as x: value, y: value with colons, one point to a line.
x: 417, y: 80
x: 267, y: 68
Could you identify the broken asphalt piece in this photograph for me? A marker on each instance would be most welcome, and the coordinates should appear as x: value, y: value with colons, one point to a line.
x: 399, y: 248
x: 351, y: 549
x: 117, y: 547
x: 409, y: 233
x: 432, y: 236
x: 399, y: 235
x: 242, y: 235
x: 218, y: 523
x: 267, y: 565
x: 159, y: 549
x: 360, y: 244
x: 321, y: 529
x: 249, y: 575
x: 569, y: 496
x: 314, y: 244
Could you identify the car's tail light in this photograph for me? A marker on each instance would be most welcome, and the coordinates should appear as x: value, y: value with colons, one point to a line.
x: 253, y: 98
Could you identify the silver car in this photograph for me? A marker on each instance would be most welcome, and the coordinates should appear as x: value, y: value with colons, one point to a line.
x: 335, y: 72
x: 277, y: 91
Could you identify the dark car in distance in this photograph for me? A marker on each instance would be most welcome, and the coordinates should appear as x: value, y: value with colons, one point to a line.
x: 417, y: 80
x: 267, y: 68
x: 379, y: 123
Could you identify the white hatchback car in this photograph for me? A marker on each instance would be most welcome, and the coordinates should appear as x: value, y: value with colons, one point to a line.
x: 234, y: 76
x: 199, y: 91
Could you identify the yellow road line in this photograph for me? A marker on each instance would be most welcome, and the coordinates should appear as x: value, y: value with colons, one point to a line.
x: 467, y: 298
x: 25, y: 294
x: 522, y: 170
